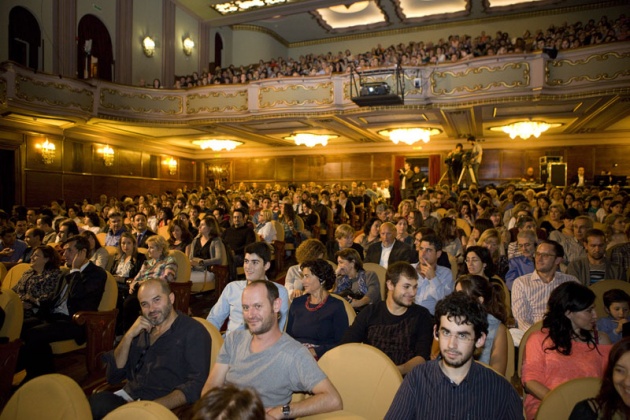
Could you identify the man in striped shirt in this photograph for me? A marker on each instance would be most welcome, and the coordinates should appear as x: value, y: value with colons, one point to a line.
x: 454, y: 386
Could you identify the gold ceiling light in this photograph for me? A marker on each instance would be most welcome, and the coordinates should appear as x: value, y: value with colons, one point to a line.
x: 350, y: 8
x: 309, y: 139
x: 217, y: 144
x: 47, y: 151
x: 525, y: 129
x: 243, y: 5
x: 410, y: 135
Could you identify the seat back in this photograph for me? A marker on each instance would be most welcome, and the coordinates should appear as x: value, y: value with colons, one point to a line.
x: 521, y: 348
x: 380, y: 273
x: 8, y: 361
x: 279, y: 230
x: 3, y: 272
x: 452, y: 260
x: 365, y: 377
x: 146, y: 410
x: 14, y: 275
x: 11, y: 303
x: 463, y: 225
x: 215, y: 336
x: 60, y: 397
x: 183, y: 266
x: 112, y: 251
x: 110, y: 294
x: 163, y: 232
x: 349, y: 309
x: 559, y: 402
x: 602, y: 287
x: 511, y: 353
x: 101, y: 236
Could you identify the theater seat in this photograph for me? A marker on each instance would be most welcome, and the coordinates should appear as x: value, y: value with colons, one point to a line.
x: 145, y: 410
x: 560, y: 401
x: 14, y: 275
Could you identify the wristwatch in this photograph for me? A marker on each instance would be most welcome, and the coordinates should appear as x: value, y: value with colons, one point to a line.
x: 286, y: 411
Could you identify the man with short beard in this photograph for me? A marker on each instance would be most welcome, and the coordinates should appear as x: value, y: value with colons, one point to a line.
x: 270, y: 361
x: 398, y: 327
x: 165, y: 355
x: 455, y: 386
x: 595, y: 266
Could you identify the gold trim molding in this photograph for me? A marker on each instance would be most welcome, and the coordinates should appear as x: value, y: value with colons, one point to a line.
x: 477, y: 71
x: 586, y: 77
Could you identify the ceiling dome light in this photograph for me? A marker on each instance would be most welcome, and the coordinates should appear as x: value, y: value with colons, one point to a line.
x: 217, y: 144
x: 525, y: 129
x: 410, y: 135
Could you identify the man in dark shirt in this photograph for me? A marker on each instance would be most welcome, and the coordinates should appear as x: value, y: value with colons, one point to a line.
x: 238, y: 236
x: 455, y: 386
x: 141, y: 230
x: 397, y: 326
x: 165, y: 355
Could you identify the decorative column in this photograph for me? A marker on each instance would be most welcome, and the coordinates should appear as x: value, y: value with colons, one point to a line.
x: 168, y: 44
x: 124, y: 34
x: 64, y: 37
x: 204, y: 46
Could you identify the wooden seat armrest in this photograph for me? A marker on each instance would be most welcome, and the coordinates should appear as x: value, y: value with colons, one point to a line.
x: 278, y: 249
x: 221, y: 277
x: 181, y: 290
x: 100, y: 334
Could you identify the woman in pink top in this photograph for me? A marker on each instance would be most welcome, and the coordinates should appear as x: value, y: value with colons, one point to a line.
x: 567, y: 347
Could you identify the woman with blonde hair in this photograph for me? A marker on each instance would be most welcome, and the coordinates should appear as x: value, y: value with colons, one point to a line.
x: 265, y: 229
x: 491, y: 240
x: 344, y: 237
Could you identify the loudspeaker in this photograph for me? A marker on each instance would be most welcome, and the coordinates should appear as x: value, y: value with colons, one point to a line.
x: 378, y: 100
x: 557, y: 174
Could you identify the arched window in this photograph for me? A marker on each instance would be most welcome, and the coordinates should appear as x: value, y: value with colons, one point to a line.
x: 25, y: 38
x: 218, y: 49
x: 94, y: 49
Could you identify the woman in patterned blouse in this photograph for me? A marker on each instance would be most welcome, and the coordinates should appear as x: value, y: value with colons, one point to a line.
x: 39, y: 282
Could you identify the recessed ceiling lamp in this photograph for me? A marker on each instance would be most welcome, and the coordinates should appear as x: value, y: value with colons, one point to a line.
x: 310, y: 140
x: 243, y: 5
x: 525, y: 129
x: 218, y: 145
x: 410, y: 135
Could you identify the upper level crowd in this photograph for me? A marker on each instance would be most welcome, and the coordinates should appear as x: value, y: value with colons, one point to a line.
x: 455, y: 48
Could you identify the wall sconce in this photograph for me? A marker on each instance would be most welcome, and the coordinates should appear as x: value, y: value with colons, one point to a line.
x: 148, y: 46
x: 47, y: 150
x: 172, y: 165
x: 188, y: 45
x: 108, y: 155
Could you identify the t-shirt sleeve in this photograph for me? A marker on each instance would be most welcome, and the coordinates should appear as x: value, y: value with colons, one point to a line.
x: 308, y: 374
x: 425, y: 335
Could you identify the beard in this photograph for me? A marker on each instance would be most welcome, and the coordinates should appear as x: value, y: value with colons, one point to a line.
x: 157, y: 317
x: 460, y: 360
x: 265, y: 326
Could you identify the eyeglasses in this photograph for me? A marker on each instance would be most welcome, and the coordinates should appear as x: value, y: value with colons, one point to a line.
x: 463, y: 337
x: 544, y: 255
x: 524, y: 245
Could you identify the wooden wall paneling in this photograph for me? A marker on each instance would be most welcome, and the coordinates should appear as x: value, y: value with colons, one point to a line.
x: 382, y: 166
x: 104, y: 185
x: 490, y: 167
x: 240, y: 169
x: 42, y: 188
x: 332, y: 168
x: 262, y: 168
x: 76, y: 187
x: 607, y: 156
x: 146, y: 165
x: 129, y: 162
x: 187, y: 169
x: 284, y: 169
x: 301, y: 170
x: 511, y: 162
x: 315, y: 167
x: 531, y: 159
x: 76, y: 158
x: 580, y: 156
x: 357, y: 167
x: 98, y: 163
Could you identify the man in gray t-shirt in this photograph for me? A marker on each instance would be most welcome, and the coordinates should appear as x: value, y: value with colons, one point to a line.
x: 271, y: 362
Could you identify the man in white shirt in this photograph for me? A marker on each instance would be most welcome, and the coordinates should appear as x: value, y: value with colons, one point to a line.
x: 434, y: 281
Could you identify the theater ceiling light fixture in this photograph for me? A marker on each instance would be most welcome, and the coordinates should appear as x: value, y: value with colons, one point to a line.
x: 108, y: 155
x: 410, y: 135
x: 189, y: 44
x: 243, y: 5
x: 310, y: 140
x: 525, y: 129
x: 148, y: 46
x: 47, y: 150
x: 217, y: 144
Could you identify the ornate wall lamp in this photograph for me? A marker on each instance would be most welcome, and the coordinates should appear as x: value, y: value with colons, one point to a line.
x: 189, y: 44
x: 108, y: 155
x: 47, y: 151
x: 148, y: 46
x: 171, y: 164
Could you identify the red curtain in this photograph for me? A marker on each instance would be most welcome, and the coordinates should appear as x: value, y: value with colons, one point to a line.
x: 434, y: 169
x: 91, y: 27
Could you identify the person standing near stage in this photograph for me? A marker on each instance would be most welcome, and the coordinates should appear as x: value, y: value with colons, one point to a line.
x: 476, y: 156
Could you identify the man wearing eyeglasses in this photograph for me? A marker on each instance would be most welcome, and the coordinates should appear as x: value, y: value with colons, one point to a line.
x: 531, y: 292
x: 524, y: 263
x: 164, y: 356
x: 454, y: 386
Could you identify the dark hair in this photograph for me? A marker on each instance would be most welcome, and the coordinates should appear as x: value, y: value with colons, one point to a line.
x: 614, y: 296
x: 573, y: 297
x: 260, y: 248
x: 50, y: 253
x: 168, y: 213
x: 458, y: 306
x: 239, y: 210
x: 186, y: 236
x: 433, y: 240
x: 129, y: 235
x: 39, y: 232
x: 89, y: 234
x: 445, y: 231
x: 45, y: 219
x: 322, y: 270
x: 418, y: 220
x: 229, y: 402
x: 73, y: 229
x: 368, y: 225
x: 80, y: 243
x: 483, y: 224
x: 400, y: 268
x: 594, y: 233
x: 492, y: 294
x: 484, y: 255
x: 557, y: 248
x: 608, y: 399
x: 520, y: 222
x: 351, y: 254
x: 288, y: 212
x: 93, y: 218
x: 272, y: 290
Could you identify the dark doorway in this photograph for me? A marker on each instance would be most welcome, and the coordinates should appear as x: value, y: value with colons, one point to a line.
x: 25, y: 38
x: 218, y: 50
x: 94, y: 42
x: 7, y: 179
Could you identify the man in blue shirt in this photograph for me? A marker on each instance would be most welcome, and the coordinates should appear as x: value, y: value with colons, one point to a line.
x: 455, y: 386
x: 11, y: 248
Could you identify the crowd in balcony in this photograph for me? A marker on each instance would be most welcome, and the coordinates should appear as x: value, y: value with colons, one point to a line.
x: 455, y: 48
